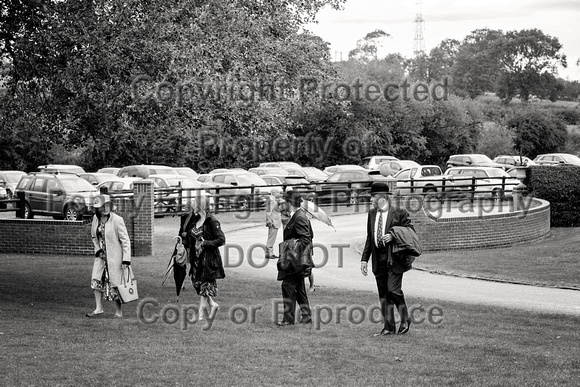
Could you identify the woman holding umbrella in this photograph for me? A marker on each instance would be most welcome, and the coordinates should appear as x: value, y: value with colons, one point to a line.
x: 204, y: 237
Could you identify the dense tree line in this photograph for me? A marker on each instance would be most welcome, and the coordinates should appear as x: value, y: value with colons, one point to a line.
x: 230, y: 83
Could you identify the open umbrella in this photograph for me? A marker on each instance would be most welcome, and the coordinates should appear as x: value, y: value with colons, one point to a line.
x: 177, y: 262
x: 316, y: 212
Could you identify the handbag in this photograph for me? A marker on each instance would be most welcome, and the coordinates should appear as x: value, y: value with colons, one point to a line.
x: 180, y: 252
x: 128, y: 287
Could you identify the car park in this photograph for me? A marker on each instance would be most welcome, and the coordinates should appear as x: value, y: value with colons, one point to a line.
x: 111, y: 170
x: 347, y: 186
x: 312, y: 174
x: 557, y: 159
x: 472, y: 160
x: 513, y: 161
x: 260, y: 171
x: 345, y: 167
x: 97, y: 178
x: 204, y: 178
x: 373, y: 162
x: 61, y: 168
x: 168, y: 188
x: 119, y: 186
x: 234, y: 189
x: 390, y: 168
x: 9, y: 180
x: 3, y: 194
x: 61, y: 195
x: 483, y: 181
x: 144, y: 171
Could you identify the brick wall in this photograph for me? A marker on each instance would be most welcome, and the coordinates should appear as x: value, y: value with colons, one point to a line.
x: 480, y: 232
x: 45, y: 236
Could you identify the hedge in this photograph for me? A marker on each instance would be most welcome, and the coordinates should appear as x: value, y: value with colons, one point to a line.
x: 560, y: 185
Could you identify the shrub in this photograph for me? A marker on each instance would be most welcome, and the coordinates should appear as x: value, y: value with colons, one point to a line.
x: 560, y: 185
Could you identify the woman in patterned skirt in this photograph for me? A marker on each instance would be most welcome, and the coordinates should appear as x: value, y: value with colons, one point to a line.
x: 112, y: 254
x: 205, y: 236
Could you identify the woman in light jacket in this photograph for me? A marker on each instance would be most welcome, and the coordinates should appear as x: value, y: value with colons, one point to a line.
x: 112, y: 249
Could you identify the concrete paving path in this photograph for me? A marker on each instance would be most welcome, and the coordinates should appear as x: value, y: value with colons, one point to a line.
x: 343, y: 271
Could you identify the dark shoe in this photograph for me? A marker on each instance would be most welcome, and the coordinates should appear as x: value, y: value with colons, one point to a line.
x: 384, y: 332
x: 404, y: 328
x: 284, y: 323
x: 93, y: 314
x: 271, y: 257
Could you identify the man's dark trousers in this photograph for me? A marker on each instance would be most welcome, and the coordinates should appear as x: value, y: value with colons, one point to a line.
x: 293, y: 290
x: 391, y: 295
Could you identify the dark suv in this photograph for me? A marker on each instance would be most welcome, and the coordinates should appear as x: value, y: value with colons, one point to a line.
x: 61, y: 195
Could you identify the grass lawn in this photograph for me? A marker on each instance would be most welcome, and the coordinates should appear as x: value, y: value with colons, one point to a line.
x: 554, y: 261
x: 46, y: 340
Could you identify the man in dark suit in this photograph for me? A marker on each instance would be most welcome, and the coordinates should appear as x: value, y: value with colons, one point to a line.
x: 293, y: 289
x: 379, y: 245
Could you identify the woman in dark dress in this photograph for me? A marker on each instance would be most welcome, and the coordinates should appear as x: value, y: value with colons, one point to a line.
x: 204, y: 236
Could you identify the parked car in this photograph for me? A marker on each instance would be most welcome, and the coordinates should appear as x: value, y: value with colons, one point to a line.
x: 204, y: 178
x: 390, y: 168
x: 111, y: 170
x: 489, y: 181
x: 373, y: 162
x: 144, y: 171
x: 312, y: 174
x: 423, y: 179
x: 518, y: 173
x: 168, y: 188
x: 347, y: 186
x: 513, y: 161
x: 280, y: 164
x: 557, y: 159
x: 61, y: 168
x: 287, y: 183
x: 119, y: 186
x: 345, y: 167
x: 233, y: 189
x: 472, y: 160
x: 9, y: 180
x: 97, y: 178
x: 220, y: 170
x: 3, y: 196
x: 186, y: 171
x: 261, y: 171
x: 62, y: 195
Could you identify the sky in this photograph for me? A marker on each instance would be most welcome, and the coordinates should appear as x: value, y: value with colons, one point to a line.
x: 445, y: 19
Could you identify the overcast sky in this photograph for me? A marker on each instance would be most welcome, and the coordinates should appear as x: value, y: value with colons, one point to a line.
x: 449, y: 19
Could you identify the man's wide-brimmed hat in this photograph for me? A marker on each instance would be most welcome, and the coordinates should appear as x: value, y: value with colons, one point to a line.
x: 294, y: 198
x: 100, y: 200
x: 379, y: 187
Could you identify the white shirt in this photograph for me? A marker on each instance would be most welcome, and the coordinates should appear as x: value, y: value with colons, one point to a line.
x: 385, y: 215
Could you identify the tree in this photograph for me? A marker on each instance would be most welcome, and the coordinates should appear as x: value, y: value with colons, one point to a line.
x: 75, y: 64
x: 367, y: 47
x: 537, y: 133
x: 528, y: 58
x: 495, y: 140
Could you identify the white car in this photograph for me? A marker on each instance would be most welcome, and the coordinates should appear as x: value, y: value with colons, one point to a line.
x: 373, y: 162
x: 483, y: 181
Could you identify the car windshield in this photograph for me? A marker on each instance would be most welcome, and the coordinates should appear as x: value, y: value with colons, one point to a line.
x: 480, y: 159
x: 298, y: 180
x: 276, y: 171
x: 314, y: 173
x: 250, y: 179
x: 571, y: 158
x: 13, y: 177
x: 77, y: 185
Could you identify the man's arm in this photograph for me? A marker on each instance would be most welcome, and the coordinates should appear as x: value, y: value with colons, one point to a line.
x: 366, y: 254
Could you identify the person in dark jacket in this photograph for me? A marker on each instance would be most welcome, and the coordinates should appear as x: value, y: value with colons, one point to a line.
x: 299, y: 229
x: 387, y: 270
x: 204, y: 236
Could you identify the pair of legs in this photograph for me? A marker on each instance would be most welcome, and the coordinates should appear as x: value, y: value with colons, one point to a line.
x: 207, y: 304
x: 272, y: 234
x: 294, y: 291
x: 391, y: 296
x: 99, y: 304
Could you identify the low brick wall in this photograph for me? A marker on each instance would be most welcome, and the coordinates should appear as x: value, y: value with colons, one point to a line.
x: 44, y: 236
x: 481, y: 232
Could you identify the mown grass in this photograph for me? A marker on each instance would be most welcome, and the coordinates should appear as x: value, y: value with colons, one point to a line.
x: 553, y: 261
x: 46, y: 340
